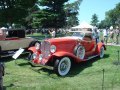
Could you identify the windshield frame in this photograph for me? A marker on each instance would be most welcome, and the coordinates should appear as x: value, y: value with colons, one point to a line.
x: 77, y: 34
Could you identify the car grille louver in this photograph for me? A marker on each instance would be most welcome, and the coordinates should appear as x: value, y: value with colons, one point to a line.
x: 45, y: 49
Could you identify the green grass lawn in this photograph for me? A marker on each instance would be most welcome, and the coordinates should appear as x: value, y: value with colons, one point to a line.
x: 19, y: 75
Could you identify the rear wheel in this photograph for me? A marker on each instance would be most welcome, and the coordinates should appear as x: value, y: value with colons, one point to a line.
x: 102, y: 52
x: 62, y: 66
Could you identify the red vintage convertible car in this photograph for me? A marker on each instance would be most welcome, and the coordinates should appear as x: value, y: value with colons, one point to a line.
x: 58, y: 53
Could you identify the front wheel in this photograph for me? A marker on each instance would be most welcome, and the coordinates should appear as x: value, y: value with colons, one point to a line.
x: 102, y: 52
x: 62, y: 67
x: 31, y: 56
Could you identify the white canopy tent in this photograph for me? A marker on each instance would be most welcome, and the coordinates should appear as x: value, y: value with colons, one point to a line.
x: 3, y: 28
x: 83, y: 25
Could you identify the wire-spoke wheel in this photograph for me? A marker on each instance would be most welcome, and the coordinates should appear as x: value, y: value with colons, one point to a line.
x: 102, y: 52
x: 62, y: 67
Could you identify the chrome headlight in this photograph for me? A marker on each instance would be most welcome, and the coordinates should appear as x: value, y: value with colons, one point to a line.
x: 34, y: 56
x: 52, y: 48
x: 40, y: 57
x: 37, y: 46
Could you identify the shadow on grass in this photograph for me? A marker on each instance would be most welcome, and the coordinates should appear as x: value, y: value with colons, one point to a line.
x: 23, y: 64
x: 6, y: 59
x: 40, y: 70
x: 75, y: 69
x: 5, y: 87
x: 78, y: 67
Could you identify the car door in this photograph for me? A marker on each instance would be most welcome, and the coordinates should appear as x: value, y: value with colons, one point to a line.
x: 12, y: 44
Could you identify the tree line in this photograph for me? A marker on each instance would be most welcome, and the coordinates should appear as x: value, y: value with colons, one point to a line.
x: 50, y: 14
x: 112, y: 18
x: 39, y: 13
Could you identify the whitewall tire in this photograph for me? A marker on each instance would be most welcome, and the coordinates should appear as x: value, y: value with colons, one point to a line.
x: 62, y: 67
x: 102, y: 52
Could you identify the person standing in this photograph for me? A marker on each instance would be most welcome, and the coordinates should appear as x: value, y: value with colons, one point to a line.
x: 52, y: 33
x: 117, y: 32
x: 2, y: 33
x: 105, y: 35
x: 98, y: 31
x: 111, y: 35
x: 96, y: 35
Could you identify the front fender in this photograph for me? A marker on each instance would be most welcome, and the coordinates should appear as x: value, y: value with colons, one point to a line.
x: 33, y: 49
x: 63, y: 54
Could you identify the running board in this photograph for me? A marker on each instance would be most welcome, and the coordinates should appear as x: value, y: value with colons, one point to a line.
x: 91, y: 57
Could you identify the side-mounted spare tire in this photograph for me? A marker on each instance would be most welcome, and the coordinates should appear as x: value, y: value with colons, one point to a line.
x: 79, y: 51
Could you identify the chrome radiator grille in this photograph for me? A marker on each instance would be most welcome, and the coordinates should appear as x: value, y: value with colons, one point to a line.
x: 45, y: 49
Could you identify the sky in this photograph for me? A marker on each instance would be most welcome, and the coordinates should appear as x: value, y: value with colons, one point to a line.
x: 99, y: 7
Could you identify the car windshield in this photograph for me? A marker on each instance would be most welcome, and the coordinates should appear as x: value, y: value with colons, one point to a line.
x: 76, y: 34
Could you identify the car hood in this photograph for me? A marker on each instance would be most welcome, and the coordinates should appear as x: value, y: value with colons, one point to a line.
x: 63, y: 39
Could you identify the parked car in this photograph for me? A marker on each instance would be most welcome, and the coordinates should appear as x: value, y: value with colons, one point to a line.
x: 13, y: 39
x: 59, y: 53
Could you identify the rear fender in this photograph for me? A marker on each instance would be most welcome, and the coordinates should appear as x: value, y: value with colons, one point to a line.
x: 99, y: 45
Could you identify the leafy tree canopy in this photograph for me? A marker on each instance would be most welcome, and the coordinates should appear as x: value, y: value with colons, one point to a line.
x: 14, y: 11
x: 112, y: 17
x: 56, y: 14
x: 72, y: 10
x: 95, y: 20
x: 52, y: 15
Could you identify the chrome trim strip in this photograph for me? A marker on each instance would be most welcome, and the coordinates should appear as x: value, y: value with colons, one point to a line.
x: 91, y: 57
